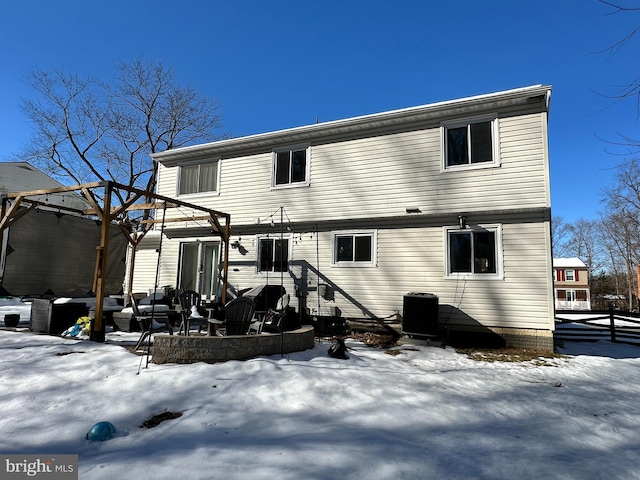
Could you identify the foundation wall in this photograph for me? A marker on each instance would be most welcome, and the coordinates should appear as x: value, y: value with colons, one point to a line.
x: 472, y: 336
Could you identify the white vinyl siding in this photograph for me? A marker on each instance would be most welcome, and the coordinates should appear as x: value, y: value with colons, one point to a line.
x: 367, y: 183
x: 381, y: 176
x: 144, y: 272
x: 412, y: 260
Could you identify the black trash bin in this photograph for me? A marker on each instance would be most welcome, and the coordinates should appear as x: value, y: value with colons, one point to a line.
x: 420, y: 314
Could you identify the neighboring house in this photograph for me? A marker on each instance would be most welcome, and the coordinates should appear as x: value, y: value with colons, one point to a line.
x: 450, y: 198
x: 48, y: 251
x: 571, y: 284
x: 22, y: 177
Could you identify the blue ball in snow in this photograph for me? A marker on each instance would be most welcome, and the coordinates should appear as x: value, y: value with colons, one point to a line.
x: 101, y: 431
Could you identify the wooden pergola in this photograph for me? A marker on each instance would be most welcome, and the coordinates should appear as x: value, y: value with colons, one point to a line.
x: 114, y: 212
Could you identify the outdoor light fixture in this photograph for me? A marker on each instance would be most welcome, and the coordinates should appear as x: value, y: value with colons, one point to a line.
x: 413, y: 210
x: 462, y: 221
x: 237, y: 245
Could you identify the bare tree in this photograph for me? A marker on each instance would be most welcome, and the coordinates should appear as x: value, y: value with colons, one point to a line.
x: 622, y: 246
x: 623, y: 222
x: 559, y: 235
x: 630, y: 89
x: 89, y: 129
x: 584, y: 243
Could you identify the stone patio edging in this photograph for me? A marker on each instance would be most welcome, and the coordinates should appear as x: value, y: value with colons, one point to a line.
x: 180, y: 349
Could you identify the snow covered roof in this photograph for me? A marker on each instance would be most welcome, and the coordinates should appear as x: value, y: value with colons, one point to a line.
x: 573, y: 262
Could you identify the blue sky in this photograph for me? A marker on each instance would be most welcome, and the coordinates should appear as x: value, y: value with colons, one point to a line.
x: 280, y: 64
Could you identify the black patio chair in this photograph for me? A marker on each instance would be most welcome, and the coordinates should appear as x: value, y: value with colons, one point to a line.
x: 274, y: 319
x: 238, y: 315
x: 189, y: 299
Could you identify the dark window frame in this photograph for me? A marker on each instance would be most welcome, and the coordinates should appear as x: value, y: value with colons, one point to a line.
x: 270, y: 254
x: 470, y: 143
x: 290, y: 167
x: 351, y: 248
x: 474, y: 252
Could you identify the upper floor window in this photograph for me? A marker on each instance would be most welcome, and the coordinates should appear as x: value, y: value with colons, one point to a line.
x: 473, y: 251
x: 470, y: 143
x: 354, y: 248
x: 273, y: 254
x: 198, y: 178
x: 291, y: 167
x: 566, y: 275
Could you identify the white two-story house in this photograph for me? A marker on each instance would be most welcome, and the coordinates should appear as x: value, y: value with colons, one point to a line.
x: 450, y: 198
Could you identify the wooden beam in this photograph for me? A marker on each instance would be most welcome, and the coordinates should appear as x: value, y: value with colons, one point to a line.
x: 50, y: 207
x: 46, y: 191
x: 152, y: 206
x: 177, y: 219
x: 12, y: 214
x: 132, y: 207
x: 225, y: 263
x: 125, y: 206
x: 216, y: 225
x: 178, y: 203
x: 3, y: 253
x: 94, y: 203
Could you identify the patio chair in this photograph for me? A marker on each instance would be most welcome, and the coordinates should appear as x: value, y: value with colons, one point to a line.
x: 146, y: 321
x: 273, y: 321
x: 189, y: 306
x: 238, y: 315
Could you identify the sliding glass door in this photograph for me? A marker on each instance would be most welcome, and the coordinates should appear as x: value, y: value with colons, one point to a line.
x: 199, y: 268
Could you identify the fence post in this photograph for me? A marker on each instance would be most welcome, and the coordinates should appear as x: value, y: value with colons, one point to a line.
x: 612, y: 325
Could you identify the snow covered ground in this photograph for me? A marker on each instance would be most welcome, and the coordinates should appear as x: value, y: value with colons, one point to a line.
x: 425, y: 413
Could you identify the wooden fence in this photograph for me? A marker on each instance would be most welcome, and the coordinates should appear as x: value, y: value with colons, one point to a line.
x: 614, y: 325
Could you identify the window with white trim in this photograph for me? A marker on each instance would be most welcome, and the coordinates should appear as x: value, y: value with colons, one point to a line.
x: 354, y: 248
x: 273, y: 254
x: 470, y: 143
x: 198, y: 178
x: 473, y: 252
x: 291, y: 167
x: 570, y: 275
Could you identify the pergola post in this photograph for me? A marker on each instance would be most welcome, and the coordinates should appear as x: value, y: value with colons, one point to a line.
x: 3, y: 211
x: 225, y: 265
x: 97, y: 325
